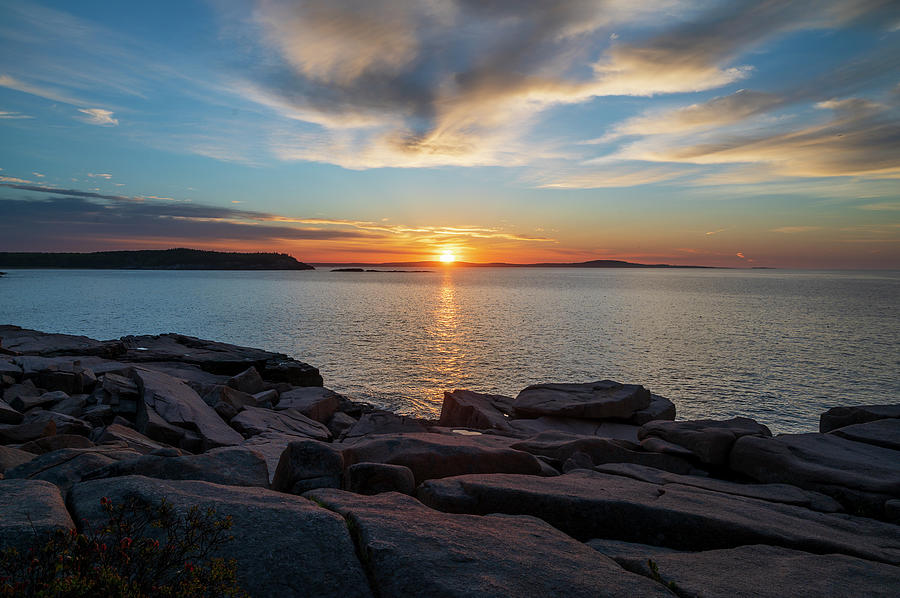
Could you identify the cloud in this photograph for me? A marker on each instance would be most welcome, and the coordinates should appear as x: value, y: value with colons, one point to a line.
x: 101, y: 175
x: 43, y: 92
x: 11, y: 181
x: 402, y: 83
x: 29, y: 223
x: 795, y: 229
x: 618, y: 175
x: 89, y: 217
x: 740, y: 255
x: 722, y: 110
x: 6, y: 115
x: 890, y: 206
x: 14, y: 184
x: 98, y: 116
x: 860, y: 138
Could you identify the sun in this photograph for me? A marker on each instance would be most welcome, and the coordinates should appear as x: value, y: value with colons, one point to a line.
x: 448, y: 257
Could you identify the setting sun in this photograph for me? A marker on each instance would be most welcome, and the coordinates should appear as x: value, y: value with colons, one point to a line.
x: 448, y: 257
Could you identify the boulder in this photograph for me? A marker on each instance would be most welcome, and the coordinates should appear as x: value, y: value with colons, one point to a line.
x: 659, y: 408
x: 266, y: 398
x: 73, y: 405
x: 33, y: 342
x: 410, y: 550
x: 467, y: 409
x: 30, y: 508
x: 73, y: 381
x: 838, y: 417
x: 375, y: 478
x: 11, y: 457
x: 382, y: 422
x: 48, y: 444
x: 8, y: 415
x: 66, y: 467
x: 232, y: 396
x: 339, y: 423
x: 560, y: 446
x: 860, y: 476
x: 232, y: 466
x: 256, y: 420
x: 26, y: 402
x: 595, y: 400
x: 98, y: 415
x: 308, y: 464
x: 710, y: 440
x: 658, y: 445
x: 883, y: 432
x: 39, y: 423
x: 315, y: 402
x: 33, y: 365
x: 580, y: 427
x: 437, y: 455
x: 179, y: 405
x: 768, y: 572
x: 781, y: 493
x: 120, y: 393
x: 132, y: 439
x: 248, y: 381
x: 25, y: 390
x: 588, y: 504
x: 155, y: 427
x: 201, y: 381
x: 10, y: 369
x: 270, y: 445
x: 284, y: 545
x: 228, y: 401
x: 219, y: 358
x: 295, y: 373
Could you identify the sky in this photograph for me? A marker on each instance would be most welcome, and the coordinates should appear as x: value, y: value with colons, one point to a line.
x: 701, y: 132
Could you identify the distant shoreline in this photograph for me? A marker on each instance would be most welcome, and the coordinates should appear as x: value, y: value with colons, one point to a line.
x: 165, y: 259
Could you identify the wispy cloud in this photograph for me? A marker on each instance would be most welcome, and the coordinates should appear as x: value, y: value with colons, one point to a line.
x: 7, y: 115
x: 48, y: 93
x: 795, y: 229
x: 860, y: 138
x: 99, y: 116
x: 889, y: 206
x: 101, y: 175
x: 617, y: 175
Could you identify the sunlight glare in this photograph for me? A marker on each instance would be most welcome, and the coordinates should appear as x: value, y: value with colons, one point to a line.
x: 448, y: 257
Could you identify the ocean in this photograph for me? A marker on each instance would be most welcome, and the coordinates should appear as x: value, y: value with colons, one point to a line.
x: 779, y: 346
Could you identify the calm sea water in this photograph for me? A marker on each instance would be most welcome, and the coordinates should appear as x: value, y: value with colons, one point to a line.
x: 778, y: 346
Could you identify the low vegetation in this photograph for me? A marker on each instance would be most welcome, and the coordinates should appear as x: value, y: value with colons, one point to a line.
x: 142, y: 550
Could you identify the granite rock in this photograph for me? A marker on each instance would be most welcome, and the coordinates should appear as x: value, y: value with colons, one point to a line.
x: 604, y: 399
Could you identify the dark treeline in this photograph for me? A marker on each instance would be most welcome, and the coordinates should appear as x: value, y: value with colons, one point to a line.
x: 165, y: 259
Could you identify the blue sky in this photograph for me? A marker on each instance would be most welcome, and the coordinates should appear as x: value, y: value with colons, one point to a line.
x: 722, y: 133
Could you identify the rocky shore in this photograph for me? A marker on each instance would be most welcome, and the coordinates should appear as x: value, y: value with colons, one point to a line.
x: 568, y: 489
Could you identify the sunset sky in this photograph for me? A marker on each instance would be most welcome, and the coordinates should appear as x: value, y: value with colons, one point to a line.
x: 757, y: 133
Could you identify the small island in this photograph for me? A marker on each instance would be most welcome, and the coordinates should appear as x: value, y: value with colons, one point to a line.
x: 164, y: 259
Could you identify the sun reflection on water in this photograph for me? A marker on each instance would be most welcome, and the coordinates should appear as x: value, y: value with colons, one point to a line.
x: 445, y: 353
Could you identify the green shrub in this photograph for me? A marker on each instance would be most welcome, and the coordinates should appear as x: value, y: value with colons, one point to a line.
x: 142, y: 550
